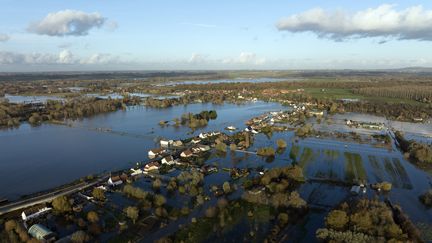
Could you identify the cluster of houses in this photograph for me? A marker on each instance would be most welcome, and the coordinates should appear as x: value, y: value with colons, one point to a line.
x: 366, y: 125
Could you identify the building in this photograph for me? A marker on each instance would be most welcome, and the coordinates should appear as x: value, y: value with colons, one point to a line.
x: 34, y: 212
x: 177, y: 143
x: 166, y: 143
x: 115, y: 181
x: 316, y: 113
x: 41, y: 233
x: 136, y: 172
x: 203, y: 135
x: 196, y: 140
x: 169, y: 160
x: 186, y: 154
x: 151, y: 166
x: 155, y: 152
x: 203, y: 148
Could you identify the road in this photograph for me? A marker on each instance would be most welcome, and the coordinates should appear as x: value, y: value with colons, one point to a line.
x: 48, y: 197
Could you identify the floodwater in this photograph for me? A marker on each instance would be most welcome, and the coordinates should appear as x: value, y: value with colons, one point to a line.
x: 18, y: 99
x: 238, y: 80
x: 39, y: 158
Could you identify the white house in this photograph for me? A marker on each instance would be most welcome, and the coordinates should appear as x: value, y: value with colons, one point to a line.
x: 155, y: 152
x: 31, y: 214
x: 115, y: 181
x: 203, y: 135
x: 136, y: 172
x: 203, y: 147
x: 196, y: 140
x: 196, y: 150
x: 151, y: 166
x: 166, y: 143
x: 169, y: 160
x: 186, y: 154
x: 177, y: 143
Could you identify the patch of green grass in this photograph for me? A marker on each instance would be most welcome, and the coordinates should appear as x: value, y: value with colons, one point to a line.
x: 354, y: 169
x: 306, y: 157
x: 339, y: 93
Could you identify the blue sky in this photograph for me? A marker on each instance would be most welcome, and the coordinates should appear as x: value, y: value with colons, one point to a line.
x: 143, y: 35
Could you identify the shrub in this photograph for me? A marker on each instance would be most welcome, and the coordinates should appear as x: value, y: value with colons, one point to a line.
x: 266, y: 151
x: 99, y: 194
x: 426, y: 198
x: 132, y: 213
x: 61, y: 204
x: 337, y: 219
x: 281, y: 143
x: 92, y: 216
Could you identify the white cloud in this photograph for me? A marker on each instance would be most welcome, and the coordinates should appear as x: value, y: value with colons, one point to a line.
x: 4, y: 37
x: 67, y: 23
x: 245, y: 58
x: 197, y: 58
x: 65, y: 57
x: 413, y: 23
x: 101, y: 58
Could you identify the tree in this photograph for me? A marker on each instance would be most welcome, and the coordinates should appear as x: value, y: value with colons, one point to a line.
x: 337, y: 219
x: 281, y: 143
x: 93, y: 217
x: 61, y: 204
x: 266, y: 151
x: 157, y: 184
x: 159, y: 200
x: 99, y: 194
x: 80, y: 237
x: 132, y: 213
x: 221, y: 147
x: 226, y: 187
x: 10, y: 225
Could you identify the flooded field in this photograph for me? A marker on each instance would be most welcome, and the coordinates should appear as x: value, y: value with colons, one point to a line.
x: 19, y: 99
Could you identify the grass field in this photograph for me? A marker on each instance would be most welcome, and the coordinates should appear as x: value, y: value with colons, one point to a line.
x: 338, y: 93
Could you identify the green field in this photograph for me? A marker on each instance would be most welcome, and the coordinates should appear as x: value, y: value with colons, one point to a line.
x: 338, y: 93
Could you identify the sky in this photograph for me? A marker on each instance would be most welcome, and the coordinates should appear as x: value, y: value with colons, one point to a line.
x: 84, y: 35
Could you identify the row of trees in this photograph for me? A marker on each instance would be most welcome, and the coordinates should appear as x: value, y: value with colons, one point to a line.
x: 12, y: 114
x: 421, y: 93
x: 363, y: 221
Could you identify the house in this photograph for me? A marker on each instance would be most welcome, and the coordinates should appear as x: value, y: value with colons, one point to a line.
x: 231, y: 128
x: 203, y: 135
x: 355, y: 190
x: 102, y: 187
x: 166, y: 143
x: 316, y: 113
x: 85, y: 196
x: 169, y: 160
x: 34, y: 212
x: 151, y: 166
x: 177, y: 143
x: 155, y: 152
x: 203, y: 148
x: 115, y: 181
x: 196, y: 140
x: 196, y: 150
x: 136, y: 172
x: 41, y: 233
x: 186, y: 154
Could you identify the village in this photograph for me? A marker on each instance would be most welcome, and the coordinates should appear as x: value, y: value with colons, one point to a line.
x: 171, y: 158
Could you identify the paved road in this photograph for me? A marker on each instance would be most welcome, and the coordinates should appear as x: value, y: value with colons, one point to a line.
x: 48, y: 197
